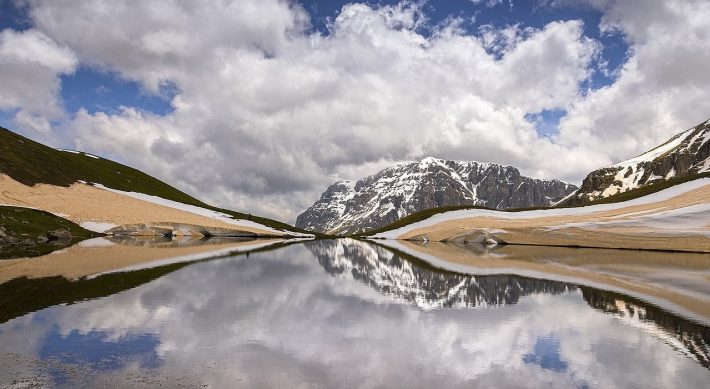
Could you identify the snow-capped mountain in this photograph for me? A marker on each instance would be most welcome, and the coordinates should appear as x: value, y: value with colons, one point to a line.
x: 415, y: 283
x: 349, y: 207
x: 686, y: 154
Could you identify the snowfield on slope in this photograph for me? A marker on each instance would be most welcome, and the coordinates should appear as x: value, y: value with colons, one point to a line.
x: 586, y: 210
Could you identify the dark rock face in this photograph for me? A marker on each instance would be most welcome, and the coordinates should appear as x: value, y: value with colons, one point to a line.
x: 59, y: 235
x: 6, y: 238
x: 686, y: 154
x: 375, y: 201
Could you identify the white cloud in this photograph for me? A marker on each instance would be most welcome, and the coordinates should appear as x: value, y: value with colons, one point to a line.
x: 269, y: 112
x: 30, y: 66
x: 663, y: 88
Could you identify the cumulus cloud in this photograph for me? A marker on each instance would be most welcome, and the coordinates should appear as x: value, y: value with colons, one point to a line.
x: 30, y: 66
x: 268, y: 111
x: 662, y: 88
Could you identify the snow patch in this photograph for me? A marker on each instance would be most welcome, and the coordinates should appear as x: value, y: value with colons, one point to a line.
x: 706, y: 166
x: 70, y: 151
x: 683, y: 221
x: 96, y: 242
x: 97, y: 226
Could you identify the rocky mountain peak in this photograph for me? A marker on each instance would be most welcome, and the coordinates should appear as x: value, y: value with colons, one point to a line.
x: 405, y: 188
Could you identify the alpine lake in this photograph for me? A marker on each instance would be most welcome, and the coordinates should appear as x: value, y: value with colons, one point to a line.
x: 346, y: 313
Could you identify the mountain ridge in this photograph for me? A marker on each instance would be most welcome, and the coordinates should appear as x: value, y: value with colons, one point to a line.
x: 348, y: 207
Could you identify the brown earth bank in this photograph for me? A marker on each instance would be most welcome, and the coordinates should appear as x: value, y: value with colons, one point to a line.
x: 83, y: 203
x: 624, y: 227
x: 681, y: 279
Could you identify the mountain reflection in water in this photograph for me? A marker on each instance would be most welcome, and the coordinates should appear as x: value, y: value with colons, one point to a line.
x: 413, y: 280
x: 343, y: 313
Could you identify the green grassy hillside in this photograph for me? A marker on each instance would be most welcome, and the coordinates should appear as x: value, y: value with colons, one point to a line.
x: 29, y: 232
x: 31, y: 163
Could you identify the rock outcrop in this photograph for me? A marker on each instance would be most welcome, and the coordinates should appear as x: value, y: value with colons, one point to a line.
x: 685, y: 155
x: 177, y: 230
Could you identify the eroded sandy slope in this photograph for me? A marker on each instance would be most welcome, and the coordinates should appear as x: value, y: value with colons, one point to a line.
x: 99, y: 209
x: 674, y: 219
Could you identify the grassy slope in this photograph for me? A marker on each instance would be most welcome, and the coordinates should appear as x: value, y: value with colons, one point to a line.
x: 33, y: 163
x: 24, y: 223
x: 35, y: 223
x: 617, y: 198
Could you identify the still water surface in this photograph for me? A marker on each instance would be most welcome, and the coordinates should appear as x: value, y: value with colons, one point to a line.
x: 339, y: 313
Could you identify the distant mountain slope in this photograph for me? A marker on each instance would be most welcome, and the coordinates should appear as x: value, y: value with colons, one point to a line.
x: 31, y: 163
x: 686, y: 155
x: 393, y: 193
